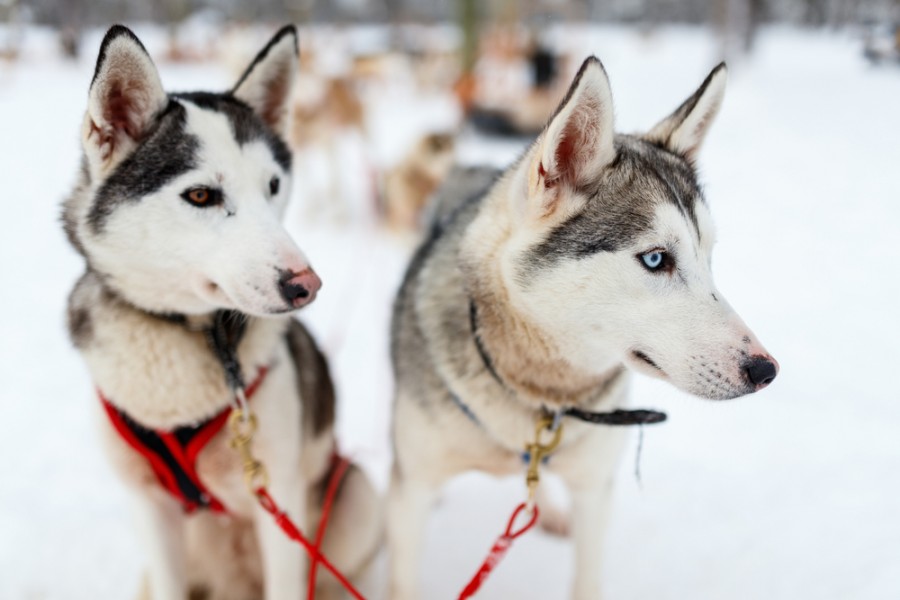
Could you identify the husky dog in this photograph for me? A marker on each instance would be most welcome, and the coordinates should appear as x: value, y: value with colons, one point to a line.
x: 589, y: 256
x: 176, y: 213
x: 409, y: 185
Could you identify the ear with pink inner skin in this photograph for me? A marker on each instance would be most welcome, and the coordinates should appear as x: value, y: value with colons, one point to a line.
x: 125, y: 96
x: 578, y: 142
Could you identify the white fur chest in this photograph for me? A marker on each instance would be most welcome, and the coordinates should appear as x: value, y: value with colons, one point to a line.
x: 164, y: 375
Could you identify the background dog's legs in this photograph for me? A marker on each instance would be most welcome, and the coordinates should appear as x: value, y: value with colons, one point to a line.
x: 283, y: 560
x: 409, y: 503
x: 160, y: 525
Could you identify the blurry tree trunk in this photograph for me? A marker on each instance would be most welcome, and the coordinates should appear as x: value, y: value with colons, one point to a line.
x: 11, y: 40
x: 756, y: 15
x: 70, y: 21
x: 816, y: 12
x: 468, y: 23
x: 299, y: 11
x: 175, y: 12
x: 737, y: 22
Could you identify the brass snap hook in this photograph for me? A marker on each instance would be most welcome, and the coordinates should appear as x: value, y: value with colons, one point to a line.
x: 538, y: 451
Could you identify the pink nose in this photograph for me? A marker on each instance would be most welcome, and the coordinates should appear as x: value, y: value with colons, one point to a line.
x: 299, y: 289
x: 761, y: 370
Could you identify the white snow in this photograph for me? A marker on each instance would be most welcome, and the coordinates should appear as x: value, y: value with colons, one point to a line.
x: 785, y: 495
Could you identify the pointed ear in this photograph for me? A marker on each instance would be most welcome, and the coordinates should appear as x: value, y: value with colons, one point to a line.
x: 683, y: 131
x: 125, y: 96
x: 578, y: 141
x: 266, y: 84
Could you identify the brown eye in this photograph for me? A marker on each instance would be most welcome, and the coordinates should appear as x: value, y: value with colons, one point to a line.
x: 203, y: 196
x: 274, y: 184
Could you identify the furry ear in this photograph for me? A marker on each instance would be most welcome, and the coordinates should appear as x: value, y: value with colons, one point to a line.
x: 578, y: 141
x: 683, y: 131
x: 267, y: 82
x: 125, y: 96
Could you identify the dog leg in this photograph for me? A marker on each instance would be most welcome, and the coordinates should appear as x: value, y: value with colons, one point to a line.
x: 409, y: 503
x: 355, y: 529
x: 588, y: 471
x: 160, y: 525
x: 553, y: 518
x: 283, y: 563
x: 590, y: 511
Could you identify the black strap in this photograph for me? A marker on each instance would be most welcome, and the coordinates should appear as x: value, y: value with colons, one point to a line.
x: 479, y: 344
x: 223, y: 336
x: 617, y: 417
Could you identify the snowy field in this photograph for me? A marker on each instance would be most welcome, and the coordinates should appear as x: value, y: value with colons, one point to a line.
x: 791, y: 494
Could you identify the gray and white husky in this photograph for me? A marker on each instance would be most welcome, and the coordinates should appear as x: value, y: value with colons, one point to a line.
x: 177, y: 213
x: 588, y: 255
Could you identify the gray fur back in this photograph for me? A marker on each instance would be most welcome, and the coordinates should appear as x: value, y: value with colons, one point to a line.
x: 456, y: 205
x: 463, y: 184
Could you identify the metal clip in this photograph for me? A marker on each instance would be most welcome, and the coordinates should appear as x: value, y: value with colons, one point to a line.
x: 243, y: 426
x: 537, y: 452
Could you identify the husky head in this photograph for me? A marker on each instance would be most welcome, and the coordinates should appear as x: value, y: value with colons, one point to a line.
x: 611, y: 242
x: 181, y: 195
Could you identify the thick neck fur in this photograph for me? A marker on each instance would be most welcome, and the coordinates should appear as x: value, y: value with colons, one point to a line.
x: 527, y: 358
x: 161, y: 372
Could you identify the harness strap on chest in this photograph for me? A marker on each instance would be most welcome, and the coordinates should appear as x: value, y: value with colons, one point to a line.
x: 173, y: 454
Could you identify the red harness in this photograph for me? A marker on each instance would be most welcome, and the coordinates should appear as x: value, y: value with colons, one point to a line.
x: 173, y: 454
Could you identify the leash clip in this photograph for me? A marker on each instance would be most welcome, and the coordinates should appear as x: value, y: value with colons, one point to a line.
x: 243, y: 426
x: 538, y: 451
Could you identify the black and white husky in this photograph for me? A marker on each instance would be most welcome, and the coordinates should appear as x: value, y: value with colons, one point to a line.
x: 177, y: 213
x: 588, y: 255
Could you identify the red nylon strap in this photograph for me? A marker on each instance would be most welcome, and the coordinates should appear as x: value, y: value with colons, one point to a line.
x: 499, y: 550
x: 339, y: 468
x: 185, y: 456
x: 163, y: 474
x: 294, y: 533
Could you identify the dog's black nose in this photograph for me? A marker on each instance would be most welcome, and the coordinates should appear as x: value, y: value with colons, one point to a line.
x: 298, y: 288
x: 761, y: 371
x: 293, y: 291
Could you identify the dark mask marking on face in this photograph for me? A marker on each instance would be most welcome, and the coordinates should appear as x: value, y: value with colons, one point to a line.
x: 621, y: 205
x: 166, y: 152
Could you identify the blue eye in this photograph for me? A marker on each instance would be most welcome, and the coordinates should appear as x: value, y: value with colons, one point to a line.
x: 654, y: 259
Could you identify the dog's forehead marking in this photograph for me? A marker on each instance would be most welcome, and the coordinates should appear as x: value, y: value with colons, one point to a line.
x: 220, y: 152
x: 622, y: 205
x: 246, y: 126
x: 668, y: 174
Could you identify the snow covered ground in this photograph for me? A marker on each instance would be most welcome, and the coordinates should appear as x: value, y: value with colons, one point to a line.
x: 790, y: 494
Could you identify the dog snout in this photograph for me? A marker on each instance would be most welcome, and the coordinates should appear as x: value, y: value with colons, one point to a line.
x: 760, y: 371
x: 299, y: 289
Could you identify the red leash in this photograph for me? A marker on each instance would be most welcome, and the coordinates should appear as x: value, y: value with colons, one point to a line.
x: 294, y: 533
x: 243, y: 426
x: 337, y: 475
x: 499, y: 549
x: 536, y: 452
